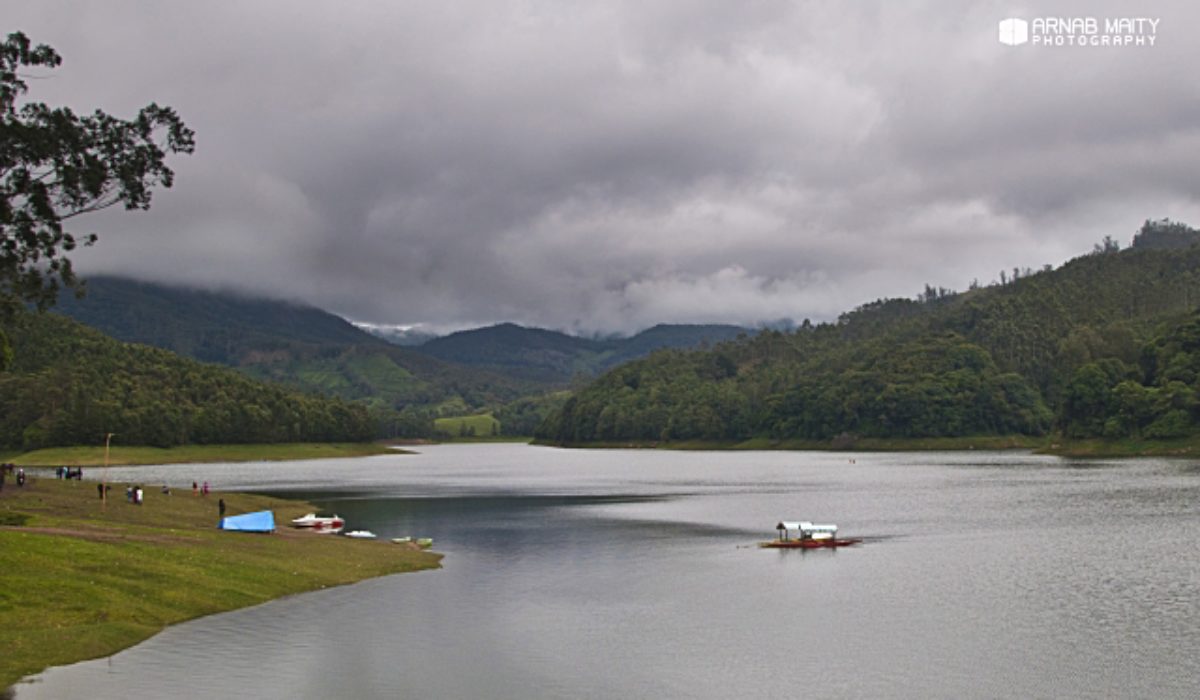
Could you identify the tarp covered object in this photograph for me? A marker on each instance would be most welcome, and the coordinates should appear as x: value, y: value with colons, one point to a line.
x: 262, y: 521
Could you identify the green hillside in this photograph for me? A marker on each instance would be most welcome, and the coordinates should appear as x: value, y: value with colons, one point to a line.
x: 1108, y: 345
x: 300, y: 346
x: 220, y: 327
x: 554, y: 359
x: 69, y: 385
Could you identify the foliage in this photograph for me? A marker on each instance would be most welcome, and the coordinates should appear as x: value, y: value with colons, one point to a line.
x: 56, y: 165
x: 71, y: 385
x: 523, y: 416
x: 553, y: 359
x: 1103, y: 346
x: 1165, y: 234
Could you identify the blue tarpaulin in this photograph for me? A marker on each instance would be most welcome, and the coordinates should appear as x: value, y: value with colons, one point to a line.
x: 262, y: 521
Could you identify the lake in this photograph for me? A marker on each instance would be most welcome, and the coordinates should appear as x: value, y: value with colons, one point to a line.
x: 635, y: 574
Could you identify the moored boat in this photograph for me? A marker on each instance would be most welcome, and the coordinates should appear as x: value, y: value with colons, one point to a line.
x: 361, y: 534
x: 320, y: 523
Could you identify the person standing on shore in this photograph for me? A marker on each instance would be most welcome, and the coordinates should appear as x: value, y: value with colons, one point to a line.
x: 195, y: 489
x: 221, y: 508
x: 204, y: 489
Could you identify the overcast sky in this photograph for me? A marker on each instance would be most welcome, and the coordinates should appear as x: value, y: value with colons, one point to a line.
x: 604, y: 166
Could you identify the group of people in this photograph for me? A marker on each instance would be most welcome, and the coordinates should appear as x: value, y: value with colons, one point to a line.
x: 133, y: 494
x: 68, y: 472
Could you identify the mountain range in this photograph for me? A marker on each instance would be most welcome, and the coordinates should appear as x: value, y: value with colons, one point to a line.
x: 554, y: 358
x: 313, y: 350
x: 1107, y: 345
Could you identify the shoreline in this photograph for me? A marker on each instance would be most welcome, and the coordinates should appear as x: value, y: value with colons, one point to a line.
x: 81, y: 579
x: 140, y: 455
x: 1056, y: 446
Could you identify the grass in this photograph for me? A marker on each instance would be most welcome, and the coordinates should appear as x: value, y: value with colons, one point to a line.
x: 122, y: 455
x: 484, y: 425
x: 490, y: 438
x: 80, y: 579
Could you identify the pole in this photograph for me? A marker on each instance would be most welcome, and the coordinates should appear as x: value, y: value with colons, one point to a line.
x: 104, y: 477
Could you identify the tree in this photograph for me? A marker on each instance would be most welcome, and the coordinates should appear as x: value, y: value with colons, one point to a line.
x: 1106, y: 246
x: 56, y: 165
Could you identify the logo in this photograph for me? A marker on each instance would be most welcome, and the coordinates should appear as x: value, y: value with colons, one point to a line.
x: 1014, y: 32
x: 1080, y: 31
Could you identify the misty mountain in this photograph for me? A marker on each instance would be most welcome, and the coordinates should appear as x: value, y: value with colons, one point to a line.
x: 406, y: 337
x: 553, y: 357
x: 293, y: 344
x: 311, y: 349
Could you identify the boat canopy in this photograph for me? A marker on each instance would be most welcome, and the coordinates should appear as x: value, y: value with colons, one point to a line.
x: 806, y: 528
x: 262, y: 521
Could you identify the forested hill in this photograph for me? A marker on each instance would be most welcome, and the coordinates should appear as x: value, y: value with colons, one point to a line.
x: 1106, y: 345
x: 69, y: 385
x: 300, y: 346
x: 554, y: 358
x: 220, y: 327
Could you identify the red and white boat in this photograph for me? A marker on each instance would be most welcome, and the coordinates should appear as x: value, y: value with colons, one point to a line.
x: 320, y: 523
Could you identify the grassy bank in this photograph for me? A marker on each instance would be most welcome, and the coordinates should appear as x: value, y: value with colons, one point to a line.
x: 987, y: 442
x: 80, y: 579
x: 122, y: 455
x: 1181, y: 447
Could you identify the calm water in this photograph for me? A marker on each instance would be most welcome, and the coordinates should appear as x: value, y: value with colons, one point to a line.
x: 632, y: 574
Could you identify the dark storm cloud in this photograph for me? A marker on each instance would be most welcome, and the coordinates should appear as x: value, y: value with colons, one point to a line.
x: 605, y: 166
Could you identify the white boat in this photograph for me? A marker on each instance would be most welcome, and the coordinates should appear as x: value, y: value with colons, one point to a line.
x: 402, y: 540
x: 320, y: 523
x: 425, y: 542
x: 361, y: 534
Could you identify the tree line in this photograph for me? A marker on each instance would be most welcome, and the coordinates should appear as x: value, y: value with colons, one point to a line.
x: 1104, y: 346
x: 70, y: 385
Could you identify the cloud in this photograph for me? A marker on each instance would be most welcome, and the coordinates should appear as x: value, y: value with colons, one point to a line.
x: 607, y: 166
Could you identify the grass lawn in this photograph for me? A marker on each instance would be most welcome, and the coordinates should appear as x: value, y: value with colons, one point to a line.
x: 81, y: 579
x: 118, y: 455
x: 483, y: 425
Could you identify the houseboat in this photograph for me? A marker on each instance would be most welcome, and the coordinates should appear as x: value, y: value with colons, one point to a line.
x: 807, y: 536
